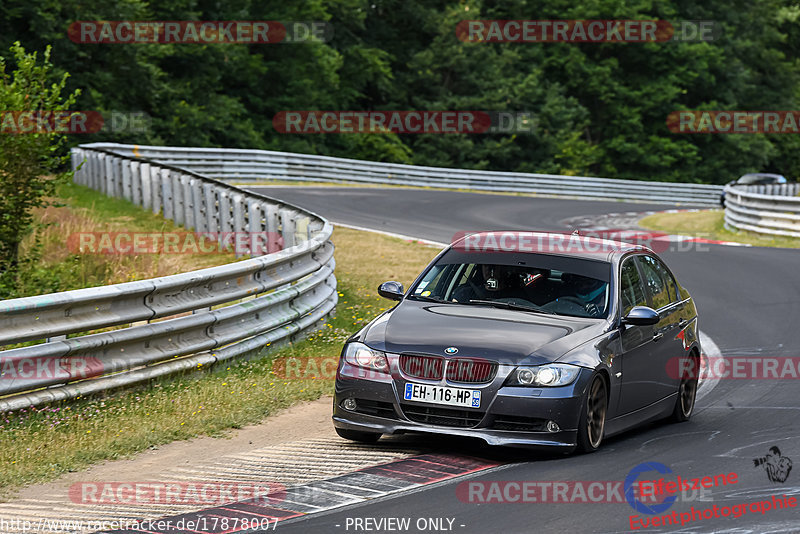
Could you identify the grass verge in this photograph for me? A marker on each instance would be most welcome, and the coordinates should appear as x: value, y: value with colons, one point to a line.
x: 78, y: 209
x: 39, y: 444
x: 710, y: 224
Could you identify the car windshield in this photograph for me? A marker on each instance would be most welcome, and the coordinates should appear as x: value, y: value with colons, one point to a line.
x: 761, y: 179
x: 526, y: 282
x: 749, y: 179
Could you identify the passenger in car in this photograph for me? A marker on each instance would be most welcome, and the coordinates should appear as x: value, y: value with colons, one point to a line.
x: 495, y: 282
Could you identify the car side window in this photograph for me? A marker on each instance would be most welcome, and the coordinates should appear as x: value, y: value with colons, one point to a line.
x: 653, y: 273
x: 672, y: 287
x: 631, y: 289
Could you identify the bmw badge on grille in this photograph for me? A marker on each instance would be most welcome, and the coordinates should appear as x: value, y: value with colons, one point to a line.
x: 451, y: 350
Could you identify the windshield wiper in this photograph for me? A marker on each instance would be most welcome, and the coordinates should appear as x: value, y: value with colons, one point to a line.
x: 510, y: 306
x: 430, y: 299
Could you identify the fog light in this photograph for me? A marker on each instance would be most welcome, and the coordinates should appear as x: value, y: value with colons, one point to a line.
x: 552, y: 426
x: 349, y: 404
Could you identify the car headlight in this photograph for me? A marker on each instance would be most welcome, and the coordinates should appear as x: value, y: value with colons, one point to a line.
x: 360, y: 355
x: 551, y: 375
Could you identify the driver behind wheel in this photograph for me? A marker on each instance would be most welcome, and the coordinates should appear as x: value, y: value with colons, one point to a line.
x: 591, y: 292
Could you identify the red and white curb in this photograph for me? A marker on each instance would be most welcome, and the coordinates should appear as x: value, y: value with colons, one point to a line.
x: 319, y: 496
x: 624, y: 227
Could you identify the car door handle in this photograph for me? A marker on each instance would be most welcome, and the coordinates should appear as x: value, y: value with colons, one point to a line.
x: 657, y: 336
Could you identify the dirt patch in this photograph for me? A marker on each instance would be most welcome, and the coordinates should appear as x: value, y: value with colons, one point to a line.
x: 301, y: 421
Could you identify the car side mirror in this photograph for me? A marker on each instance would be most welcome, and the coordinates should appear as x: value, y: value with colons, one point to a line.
x: 641, y: 316
x: 391, y: 290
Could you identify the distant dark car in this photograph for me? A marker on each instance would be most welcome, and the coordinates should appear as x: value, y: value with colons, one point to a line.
x: 555, y: 349
x: 756, y: 178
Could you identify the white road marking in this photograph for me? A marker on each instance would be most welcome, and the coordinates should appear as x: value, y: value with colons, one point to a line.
x: 392, y: 234
x: 710, y: 350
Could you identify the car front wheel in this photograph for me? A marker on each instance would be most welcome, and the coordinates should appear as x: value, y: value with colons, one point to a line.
x: 592, y: 420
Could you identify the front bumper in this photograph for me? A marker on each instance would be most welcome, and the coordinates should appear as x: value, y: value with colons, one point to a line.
x: 510, y: 416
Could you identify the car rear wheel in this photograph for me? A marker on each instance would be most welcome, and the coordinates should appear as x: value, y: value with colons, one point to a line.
x: 687, y: 393
x: 592, y: 420
x: 356, y: 435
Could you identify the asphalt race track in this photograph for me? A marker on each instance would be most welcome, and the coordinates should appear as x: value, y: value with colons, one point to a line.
x: 748, y: 304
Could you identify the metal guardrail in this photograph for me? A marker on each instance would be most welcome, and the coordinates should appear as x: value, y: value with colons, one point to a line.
x: 245, y: 165
x: 766, y: 209
x: 173, y: 323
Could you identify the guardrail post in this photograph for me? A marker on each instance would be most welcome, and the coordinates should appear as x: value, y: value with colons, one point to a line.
x: 136, y: 183
x: 127, y: 186
x: 211, y: 208
x: 288, y: 227
x: 239, y: 226
x: 92, y: 166
x: 100, y: 178
x: 166, y: 195
x: 314, y: 228
x: 79, y: 176
x: 107, y: 181
x: 271, y: 222
x: 196, y: 204
x: 116, y: 177
x: 102, y: 172
x: 147, y: 182
x: 225, y: 217
x: 155, y: 186
x: 177, y: 198
x: 255, y: 225
x: 186, y: 199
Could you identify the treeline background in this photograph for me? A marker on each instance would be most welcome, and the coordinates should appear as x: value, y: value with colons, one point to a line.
x: 600, y: 108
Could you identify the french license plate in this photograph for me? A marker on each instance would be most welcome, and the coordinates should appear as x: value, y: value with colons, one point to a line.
x: 469, y: 398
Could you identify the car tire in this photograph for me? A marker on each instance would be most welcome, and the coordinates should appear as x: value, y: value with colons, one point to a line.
x: 592, y: 420
x: 357, y: 435
x: 687, y: 394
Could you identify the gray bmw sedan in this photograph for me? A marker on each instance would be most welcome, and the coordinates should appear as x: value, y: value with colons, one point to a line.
x: 526, y: 339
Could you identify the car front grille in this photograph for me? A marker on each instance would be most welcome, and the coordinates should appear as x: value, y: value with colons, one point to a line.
x: 469, y: 371
x: 462, y: 370
x: 425, y: 367
x: 442, y: 416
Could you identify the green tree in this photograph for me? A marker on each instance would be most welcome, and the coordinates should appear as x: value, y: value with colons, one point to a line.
x: 29, y: 162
